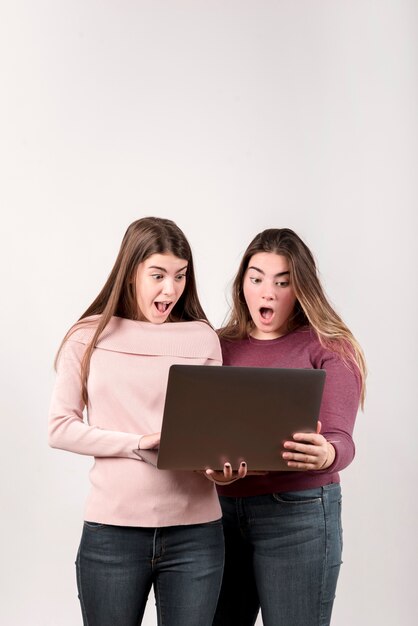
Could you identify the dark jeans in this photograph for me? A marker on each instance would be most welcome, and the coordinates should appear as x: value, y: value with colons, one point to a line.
x: 117, y: 566
x: 283, y: 553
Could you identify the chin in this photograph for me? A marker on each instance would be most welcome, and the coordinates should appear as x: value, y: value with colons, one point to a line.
x: 160, y: 321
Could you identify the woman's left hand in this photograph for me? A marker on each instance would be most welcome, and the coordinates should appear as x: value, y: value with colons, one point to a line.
x: 309, y: 451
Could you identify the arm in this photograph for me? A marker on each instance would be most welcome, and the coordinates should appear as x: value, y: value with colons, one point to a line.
x: 66, y: 428
x: 332, y: 448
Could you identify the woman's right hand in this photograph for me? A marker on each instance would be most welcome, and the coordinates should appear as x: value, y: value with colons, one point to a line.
x: 228, y: 475
x: 149, y: 442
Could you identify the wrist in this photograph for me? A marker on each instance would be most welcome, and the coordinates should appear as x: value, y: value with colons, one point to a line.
x: 329, y: 458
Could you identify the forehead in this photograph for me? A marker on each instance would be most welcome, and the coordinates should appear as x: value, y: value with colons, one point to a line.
x: 167, y: 260
x: 269, y: 262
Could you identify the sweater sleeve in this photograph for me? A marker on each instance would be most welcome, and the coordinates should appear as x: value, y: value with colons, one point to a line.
x: 67, y: 429
x: 339, y: 408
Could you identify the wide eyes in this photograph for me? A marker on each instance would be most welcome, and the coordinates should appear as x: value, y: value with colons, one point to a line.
x: 279, y: 283
x: 177, y: 278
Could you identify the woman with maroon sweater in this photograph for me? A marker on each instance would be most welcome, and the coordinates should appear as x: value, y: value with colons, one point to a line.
x: 283, y: 529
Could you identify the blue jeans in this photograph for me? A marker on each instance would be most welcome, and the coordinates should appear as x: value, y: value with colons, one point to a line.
x: 118, y: 565
x: 283, y: 553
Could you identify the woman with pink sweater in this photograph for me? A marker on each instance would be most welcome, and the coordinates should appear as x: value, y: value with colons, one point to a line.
x: 143, y: 527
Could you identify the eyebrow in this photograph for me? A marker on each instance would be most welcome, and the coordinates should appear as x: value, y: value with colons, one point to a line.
x: 252, y: 267
x: 163, y: 269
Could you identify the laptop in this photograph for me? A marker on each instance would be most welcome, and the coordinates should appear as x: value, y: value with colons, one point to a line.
x: 214, y: 414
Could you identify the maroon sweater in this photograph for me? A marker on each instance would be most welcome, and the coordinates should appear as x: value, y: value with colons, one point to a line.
x: 301, y: 349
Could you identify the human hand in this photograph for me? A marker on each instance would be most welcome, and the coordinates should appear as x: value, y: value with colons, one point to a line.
x: 228, y: 475
x: 309, y: 451
x: 149, y: 442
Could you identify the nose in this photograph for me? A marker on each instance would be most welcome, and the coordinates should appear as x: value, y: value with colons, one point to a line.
x: 168, y: 287
x: 268, y: 292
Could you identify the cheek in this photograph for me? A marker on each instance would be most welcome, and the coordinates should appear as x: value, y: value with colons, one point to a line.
x: 180, y: 289
x: 290, y: 302
x: 248, y: 294
x: 146, y: 294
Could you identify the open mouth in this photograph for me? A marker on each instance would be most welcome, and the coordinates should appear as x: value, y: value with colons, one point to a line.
x: 266, y: 313
x: 162, y: 306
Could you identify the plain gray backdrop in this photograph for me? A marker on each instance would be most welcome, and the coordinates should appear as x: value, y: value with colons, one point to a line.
x: 228, y: 117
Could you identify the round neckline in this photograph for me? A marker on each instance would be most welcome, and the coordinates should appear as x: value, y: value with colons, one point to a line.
x: 270, y: 342
x: 266, y: 342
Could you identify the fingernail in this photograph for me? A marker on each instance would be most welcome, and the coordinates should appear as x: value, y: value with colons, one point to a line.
x: 227, y: 464
x: 243, y: 464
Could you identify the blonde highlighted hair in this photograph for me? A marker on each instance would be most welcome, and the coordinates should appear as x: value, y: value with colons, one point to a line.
x: 312, y: 307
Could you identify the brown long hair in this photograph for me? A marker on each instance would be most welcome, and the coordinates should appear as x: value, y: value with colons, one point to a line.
x: 312, y: 307
x: 144, y: 237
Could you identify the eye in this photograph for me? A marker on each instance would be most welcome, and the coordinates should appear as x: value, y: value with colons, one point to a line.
x: 282, y: 283
x: 254, y: 280
x: 157, y: 276
x: 180, y: 277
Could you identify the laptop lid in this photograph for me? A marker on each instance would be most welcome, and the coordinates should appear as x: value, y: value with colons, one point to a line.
x: 218, y: 414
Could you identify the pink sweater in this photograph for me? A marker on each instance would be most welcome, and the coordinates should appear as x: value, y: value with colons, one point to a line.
x: 126, y: 389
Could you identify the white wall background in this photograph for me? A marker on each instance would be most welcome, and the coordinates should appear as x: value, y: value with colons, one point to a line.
x: 228, y: 117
